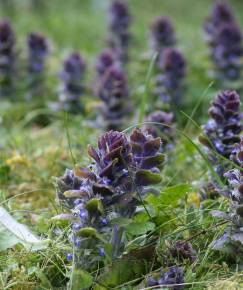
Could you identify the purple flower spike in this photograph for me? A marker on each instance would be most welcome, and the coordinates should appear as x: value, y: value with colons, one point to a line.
x: 162, y: 34
x: 72, y: 88
x: 227, y: 53
x: 164, y: 132
x: 221, y: 14
x: 147, y: 158
x: 170, y: 79
x: 119, y: 22
x: 232, y: 239
x: 224, y: 127
x: 7, y: 59
x: 38, y: 49
x: 122, y: 167
x: 113, y: 92
x: 226, y: 49
x: 105, y: 60
x: 113, y: 155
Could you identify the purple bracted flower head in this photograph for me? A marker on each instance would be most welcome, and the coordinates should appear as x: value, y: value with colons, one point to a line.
x: 223, y: 129
x: 147, y: 158
x: 162, y: 34
x: 235, y: 176
x: 105, y: 60
x: 113, y: 92
x: 7, y: 58
x: 172, y: 67
x: 232, y: 239
x: 72, y: 88
x: 37, y: 51
x: 113, y: 156
x: 119, y: 22
x: 221, y: 14
x: 164, y: 132
x: 108, y: 187
x: 228, y: 52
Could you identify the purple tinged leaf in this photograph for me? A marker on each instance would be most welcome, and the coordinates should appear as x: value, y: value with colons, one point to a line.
x: 146, y: 177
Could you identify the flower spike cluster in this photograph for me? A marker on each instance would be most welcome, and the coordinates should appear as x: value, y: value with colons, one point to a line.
x: 226, y: 47
x: 165, y: 130
x: 38, y: 49
x: 224, y: 127
x: 162, y: 34
x: 72, y: 88
x: 7, y: 59
x: 169, y: 88
x: 119, y: 22
x: 105, y: 60
x: 232, y: 240
x: 170, y: 79
x: 221, y: 14
x: 113, y: 92
x: 108, y: 187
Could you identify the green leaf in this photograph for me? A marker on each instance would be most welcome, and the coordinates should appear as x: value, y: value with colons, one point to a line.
x: 139, y: 228
x: 120, y: 221
x: 146, y: 177
x: 171, y: 195
x: 94, y: 205
x: 121, y: 271
x: 12, y: 233
x: 80, y: 280
x: 88, y: 232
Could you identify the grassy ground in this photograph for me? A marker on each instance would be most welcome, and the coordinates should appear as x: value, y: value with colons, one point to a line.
x: 30, y: 155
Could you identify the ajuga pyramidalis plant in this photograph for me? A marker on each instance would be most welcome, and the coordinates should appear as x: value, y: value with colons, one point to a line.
x: 171, y: 279
x: 7, y: 59
x: 162, y: 34
x: 72, y: 83
x: 227, y: 53
x: 38, y: 49
x: 119, y: 22
x: 171, y: 73
x: 232, y: 239
x: 224, y: 126
x: 165, y: 130
x: 110, y: 188
x: 169, y: 88
x: 105, y: 60
x: 226, y: 49
x: 221, y: 14
x: 221, y: 132
x: 113, y: 91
